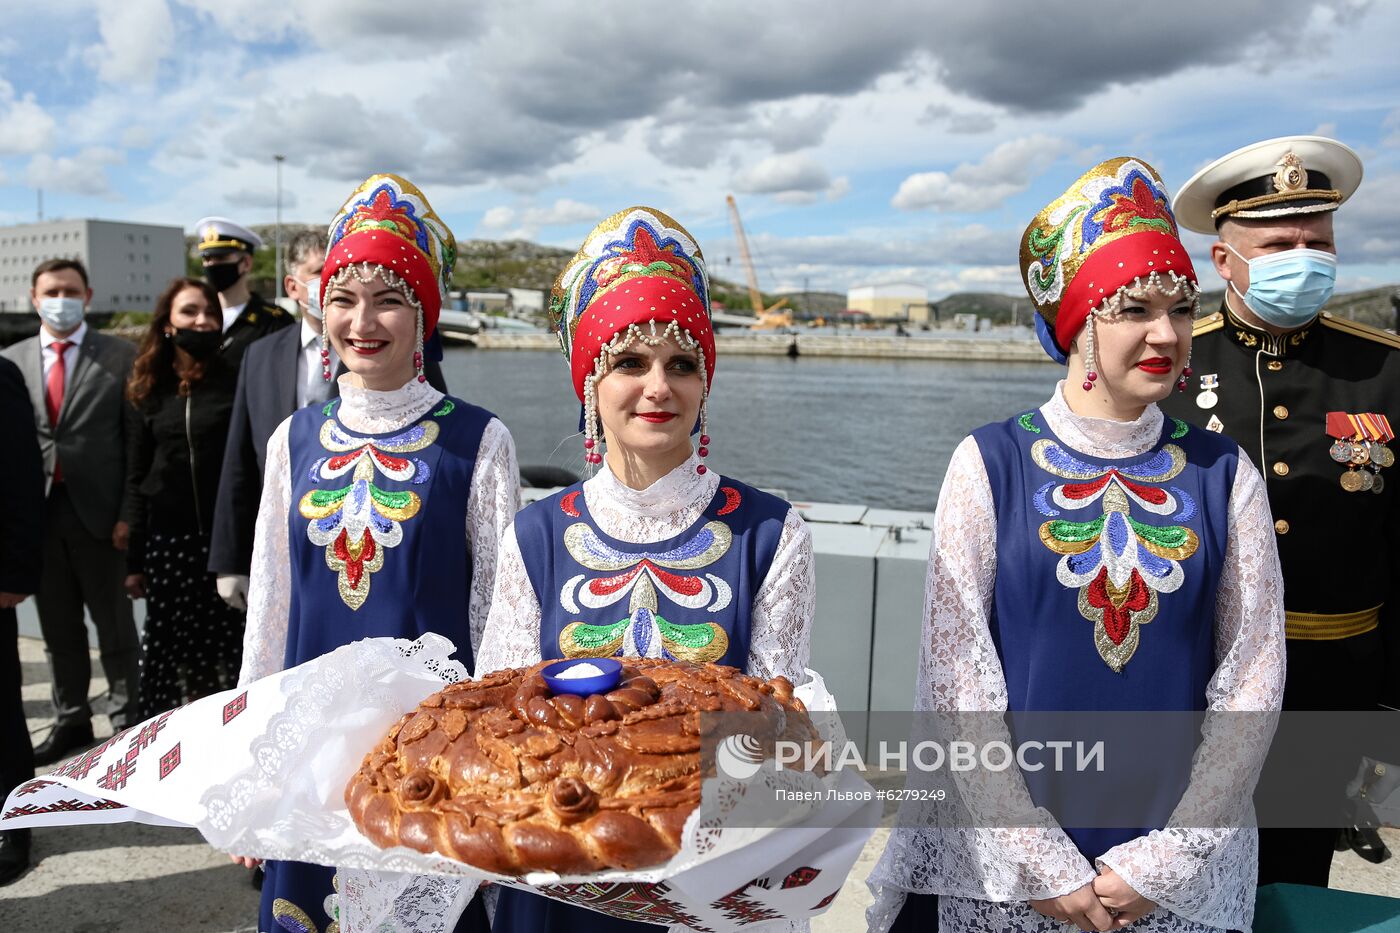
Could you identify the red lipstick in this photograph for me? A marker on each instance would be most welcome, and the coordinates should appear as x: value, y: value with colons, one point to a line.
x: 1157, y: 366
x: 656, y: 417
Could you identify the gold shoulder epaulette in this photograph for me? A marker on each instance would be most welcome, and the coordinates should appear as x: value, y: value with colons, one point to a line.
x: 1207, y: 324
x: 1365, y: 331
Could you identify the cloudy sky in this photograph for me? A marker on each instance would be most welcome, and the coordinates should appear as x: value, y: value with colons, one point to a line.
x: 865, y: 142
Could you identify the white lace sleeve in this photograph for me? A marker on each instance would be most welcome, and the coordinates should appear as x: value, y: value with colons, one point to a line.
x: 512, y: 634
x: 1208, y: 875
x: 960, y: 670
x: 780, y: 632
x: 270, y: 579
x: 491, y: 507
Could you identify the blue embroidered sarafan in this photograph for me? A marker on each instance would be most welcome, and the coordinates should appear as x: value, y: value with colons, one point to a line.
x: 688, y: 598
x: 357, y: 522
x: 1105, y: 593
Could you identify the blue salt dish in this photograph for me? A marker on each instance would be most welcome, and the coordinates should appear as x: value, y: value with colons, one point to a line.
x: 583, y: 686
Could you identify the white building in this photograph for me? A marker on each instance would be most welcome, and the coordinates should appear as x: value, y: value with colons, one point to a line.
x: 128, y: 264
x: 526, y: 301
x: 903, y: 301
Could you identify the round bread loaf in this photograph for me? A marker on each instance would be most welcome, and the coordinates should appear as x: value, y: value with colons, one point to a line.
x: 502, y: 775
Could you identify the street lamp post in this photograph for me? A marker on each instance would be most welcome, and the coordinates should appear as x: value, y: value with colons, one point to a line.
x: 277, y: 236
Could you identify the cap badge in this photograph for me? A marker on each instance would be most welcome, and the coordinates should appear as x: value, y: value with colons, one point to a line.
x: 1291, y: 176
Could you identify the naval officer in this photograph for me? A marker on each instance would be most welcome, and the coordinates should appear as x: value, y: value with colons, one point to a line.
x: 226, y: 250
x: 1312, y: 398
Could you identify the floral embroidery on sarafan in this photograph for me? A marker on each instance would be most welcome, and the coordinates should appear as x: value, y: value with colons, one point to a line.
x: 1027, y: 422
x: 1118, y: 564
x: 642, y: 579
x: 358, y: 522
x: 291, y: 917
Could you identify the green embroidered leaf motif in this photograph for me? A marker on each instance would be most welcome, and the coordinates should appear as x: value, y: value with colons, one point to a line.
x: 447, y: 406
x: 324, y: 497
x: 1169, y: 536
x: 592, y: 637
x: 1181, y: 428
x: 389, y: 498
x: 330, y: 407
x: 1027, y: 421
x: 689, y: 636
x: 1062, y: 530
x: 1047, y: 243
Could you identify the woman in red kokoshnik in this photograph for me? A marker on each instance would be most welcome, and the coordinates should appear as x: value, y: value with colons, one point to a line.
x: 655, y: 555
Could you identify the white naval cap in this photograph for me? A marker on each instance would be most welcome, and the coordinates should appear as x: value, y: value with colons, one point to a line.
x: 1275, y: 178
x: 219, y: 235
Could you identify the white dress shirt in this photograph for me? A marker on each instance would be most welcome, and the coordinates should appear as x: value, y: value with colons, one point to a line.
x: 311, y: 382
x: 70, y: 355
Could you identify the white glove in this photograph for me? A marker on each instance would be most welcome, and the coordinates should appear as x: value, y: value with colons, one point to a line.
x: 233, y: 589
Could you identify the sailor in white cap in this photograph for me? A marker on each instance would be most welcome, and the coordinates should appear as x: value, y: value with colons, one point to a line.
x: 1312, y: 398
x: 226, y: 249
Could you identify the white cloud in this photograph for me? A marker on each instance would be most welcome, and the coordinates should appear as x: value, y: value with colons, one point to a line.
x: 82, y: 174
x: 137, y: 35
x: 25, y: 127
x: 792, y: 178
x: 981, y: 186
x: 517, y: 223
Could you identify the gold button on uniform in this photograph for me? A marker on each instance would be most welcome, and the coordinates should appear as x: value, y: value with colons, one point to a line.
x: 1280, y: 412
x: 1280, y: 468
x: 1281, y: 527
x: 1275, y: 365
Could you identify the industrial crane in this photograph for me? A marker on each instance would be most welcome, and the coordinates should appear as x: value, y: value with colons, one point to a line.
x: 767, y: 318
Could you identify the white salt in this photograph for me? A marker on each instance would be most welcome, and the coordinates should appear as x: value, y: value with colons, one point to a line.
x: 578, y: 671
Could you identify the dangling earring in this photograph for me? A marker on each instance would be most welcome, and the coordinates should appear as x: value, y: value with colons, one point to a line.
x: 325, y: 354
x: 590, y: 423
x: 1091, y: 375
x: 704, y: 450
x: 1185, y: 374
x: 418, y: 350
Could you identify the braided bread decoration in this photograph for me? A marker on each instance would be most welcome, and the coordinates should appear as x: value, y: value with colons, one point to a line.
x: 501, y: 775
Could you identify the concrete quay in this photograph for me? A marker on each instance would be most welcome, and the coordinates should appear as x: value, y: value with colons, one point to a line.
x: 866, y: 346
x: 130, y: 878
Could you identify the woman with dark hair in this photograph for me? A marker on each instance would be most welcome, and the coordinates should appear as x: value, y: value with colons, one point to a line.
x: 181, y: 394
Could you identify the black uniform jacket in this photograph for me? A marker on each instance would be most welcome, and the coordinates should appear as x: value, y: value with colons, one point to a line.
x: 175, y: 445
x: 257, y: 319
x: 1339, y: 550
x: 267, y: 396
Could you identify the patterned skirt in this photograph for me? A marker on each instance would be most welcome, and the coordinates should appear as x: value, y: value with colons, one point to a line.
x: 192, y: 645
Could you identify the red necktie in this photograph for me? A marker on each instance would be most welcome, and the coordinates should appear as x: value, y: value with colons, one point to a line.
x: 53, y: 394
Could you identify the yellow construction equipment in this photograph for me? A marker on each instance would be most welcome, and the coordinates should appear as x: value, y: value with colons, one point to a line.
x: 768, y: 318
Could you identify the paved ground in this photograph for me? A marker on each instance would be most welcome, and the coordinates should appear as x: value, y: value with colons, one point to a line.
x: 128, y: 878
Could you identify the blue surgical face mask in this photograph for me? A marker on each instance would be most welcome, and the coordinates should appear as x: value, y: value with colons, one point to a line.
x: 1289, y: 288
x: 313, y: 300
x: 61, y: 314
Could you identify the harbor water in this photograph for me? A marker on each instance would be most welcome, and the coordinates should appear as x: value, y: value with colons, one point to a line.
x: 874, y: 432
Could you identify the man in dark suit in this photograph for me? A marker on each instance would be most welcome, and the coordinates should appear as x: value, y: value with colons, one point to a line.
x: 76, y: 379
x: 278, y: 375
x: 22, y: 476
x: 226, y: 249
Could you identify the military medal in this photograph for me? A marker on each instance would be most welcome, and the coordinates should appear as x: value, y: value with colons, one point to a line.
x: 1359, y: 440
x: 1208, y: 399
x: 1215, y: 424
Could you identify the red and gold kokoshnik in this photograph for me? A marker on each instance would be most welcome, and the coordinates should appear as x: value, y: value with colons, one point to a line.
x: 1112, y: 227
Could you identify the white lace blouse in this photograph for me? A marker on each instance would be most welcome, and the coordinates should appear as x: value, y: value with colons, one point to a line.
x: 491, y: 507
x: 780, y: 630
x: 1202, y: 879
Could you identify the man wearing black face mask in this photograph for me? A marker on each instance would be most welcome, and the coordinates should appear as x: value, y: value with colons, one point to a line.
x: 226, y: 249
x: 1312, y: 399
